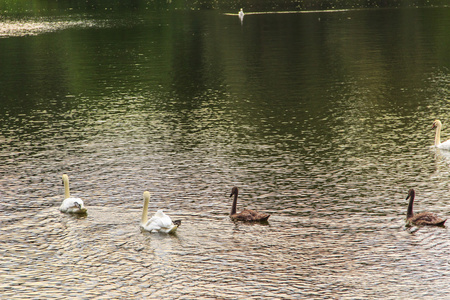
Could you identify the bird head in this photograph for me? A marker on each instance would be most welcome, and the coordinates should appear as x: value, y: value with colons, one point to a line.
x: 436, y: 124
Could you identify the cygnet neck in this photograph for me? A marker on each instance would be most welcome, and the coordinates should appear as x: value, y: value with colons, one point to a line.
x: 410, y: 212
x: 234, y: 206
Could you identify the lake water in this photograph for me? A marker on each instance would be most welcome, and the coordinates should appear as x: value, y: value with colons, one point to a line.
x: 322, y: 119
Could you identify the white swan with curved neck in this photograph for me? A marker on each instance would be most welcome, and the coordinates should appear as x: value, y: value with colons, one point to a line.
x: 71, y: 204
x: 437, y: 138
x: 160, y: 222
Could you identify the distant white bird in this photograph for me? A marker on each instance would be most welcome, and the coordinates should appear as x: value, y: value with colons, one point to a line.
x: 71, y: 204
x: 160, y: 222
x: 437, y: 138
x: 241, y: 14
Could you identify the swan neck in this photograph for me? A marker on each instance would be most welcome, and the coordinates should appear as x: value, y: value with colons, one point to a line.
x: 145, y: 210
x: 437, y: 138
x: 233, y: 207
x: 66, y: 188
x: 410, y: 213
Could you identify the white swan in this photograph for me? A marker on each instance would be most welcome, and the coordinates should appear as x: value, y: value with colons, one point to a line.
x: 437, y: 139
x: 241, y: 14
x: 160, y: 222
x: 71, y: 204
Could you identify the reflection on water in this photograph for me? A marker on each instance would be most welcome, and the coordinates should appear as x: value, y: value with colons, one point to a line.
x: 10, y: 28
x: 324, y: 124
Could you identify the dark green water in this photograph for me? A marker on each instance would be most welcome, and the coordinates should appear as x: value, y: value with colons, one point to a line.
x: 323, y: 119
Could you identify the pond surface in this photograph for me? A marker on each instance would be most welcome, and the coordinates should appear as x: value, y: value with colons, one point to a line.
x: 322, y: 119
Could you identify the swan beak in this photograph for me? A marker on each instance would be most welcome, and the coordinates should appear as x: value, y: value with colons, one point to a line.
x: 433, y: 126
x: 78, y: 205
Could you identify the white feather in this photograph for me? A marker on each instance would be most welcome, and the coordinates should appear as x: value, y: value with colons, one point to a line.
x: 160, y: 222
x: 73, y: 205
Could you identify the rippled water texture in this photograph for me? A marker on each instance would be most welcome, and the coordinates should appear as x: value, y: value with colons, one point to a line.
x: 322, y: 120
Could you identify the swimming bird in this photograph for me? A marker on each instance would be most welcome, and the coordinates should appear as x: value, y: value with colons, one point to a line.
x: 241, y: 14
x: 437, y: 138
x: 424, y: 218
x: 71, y: 204
x: 246, y: 215
x: 160, y: 222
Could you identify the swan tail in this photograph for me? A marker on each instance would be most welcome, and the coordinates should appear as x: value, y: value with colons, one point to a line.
x: 441, y: 223
x: 173, y: 229
x: 265, y: 218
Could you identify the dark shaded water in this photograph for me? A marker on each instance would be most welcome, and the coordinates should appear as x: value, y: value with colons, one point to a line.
x: 322, y: 119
